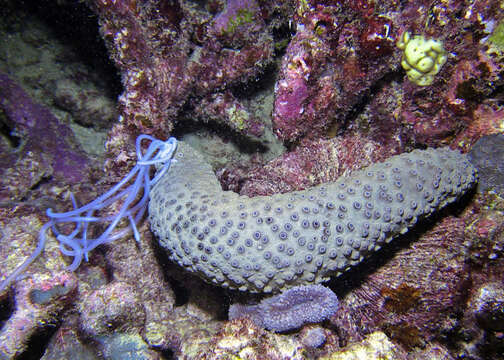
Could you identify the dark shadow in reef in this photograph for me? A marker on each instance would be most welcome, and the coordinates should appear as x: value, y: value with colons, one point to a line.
x: 183, y: 283
x: 74, y: 24
x: 7, y: 307
x: 245, y: 144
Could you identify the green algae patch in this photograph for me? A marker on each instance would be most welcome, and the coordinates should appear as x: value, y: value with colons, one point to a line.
x: 243, y: 16
x: 497, y: 37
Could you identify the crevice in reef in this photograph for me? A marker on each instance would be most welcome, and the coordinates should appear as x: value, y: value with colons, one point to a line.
x: 365, y: 100
x: 167, y: 354
x: 7, y: 132
x: 74, y: 24
x: 6, y: 307
x: 263, y: 82
x: 246, y: 145
x: 38, y: 344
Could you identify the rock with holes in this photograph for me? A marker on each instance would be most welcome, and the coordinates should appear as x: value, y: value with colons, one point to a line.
x: 271, y: 243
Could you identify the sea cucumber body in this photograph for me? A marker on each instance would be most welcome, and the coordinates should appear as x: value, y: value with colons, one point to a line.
x: 271, y: 243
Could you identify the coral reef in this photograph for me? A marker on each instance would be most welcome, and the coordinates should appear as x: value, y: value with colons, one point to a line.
x: 484, y: 236
x: 50, y: 146
x: 433, y: 352
x: 319, y: 161
x: 37, y: 52
x: 322, y: 76
x: 67, y: 344
x: 339, y: 57
x: 412, y: 296
x: 78, y: 242
x: 487, y: 306
x: 487, y: 156
x: 115, y: 307
x: 170, y: 52
x: 483, y: 322
x: 290, y: 310
x: 325, y: 77
x: 241, y: 338
x: 84, y: 104
x: 40, y: 299
x: 226, y: 109
x: 376, y: 346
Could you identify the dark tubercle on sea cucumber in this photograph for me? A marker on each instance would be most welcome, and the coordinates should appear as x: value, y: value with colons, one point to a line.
x: 272, y: 243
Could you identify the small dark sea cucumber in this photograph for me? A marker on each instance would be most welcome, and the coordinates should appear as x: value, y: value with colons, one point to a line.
x: 487, y: 155
x: 272, y: 243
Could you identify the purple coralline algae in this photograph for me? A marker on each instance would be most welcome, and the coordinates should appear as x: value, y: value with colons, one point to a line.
x: 115, y: 307
x: 39, y: 304
x: 48, y: 147
x: 224, y: 108
x: 484, y: 235
x: 290, y: 310
x: 175, y: 54
x: 321, y: 161
x: 340, y: 70
x: 487, y: 305
x: 236, y: 15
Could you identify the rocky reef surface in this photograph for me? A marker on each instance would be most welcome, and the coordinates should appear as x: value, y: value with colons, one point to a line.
x: 278, y: 96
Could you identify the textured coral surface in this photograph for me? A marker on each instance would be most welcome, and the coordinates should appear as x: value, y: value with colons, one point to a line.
x: 270, y: 243
x: 487, y: 156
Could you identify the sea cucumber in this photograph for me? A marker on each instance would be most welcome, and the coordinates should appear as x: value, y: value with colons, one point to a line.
x: 272, y: 243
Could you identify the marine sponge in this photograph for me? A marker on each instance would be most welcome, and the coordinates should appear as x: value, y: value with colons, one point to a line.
x: 272, y: 243
x: 422, y: 58
x: 291, y: 309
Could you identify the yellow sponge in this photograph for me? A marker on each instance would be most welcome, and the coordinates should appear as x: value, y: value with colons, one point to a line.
x: 422, y: 58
